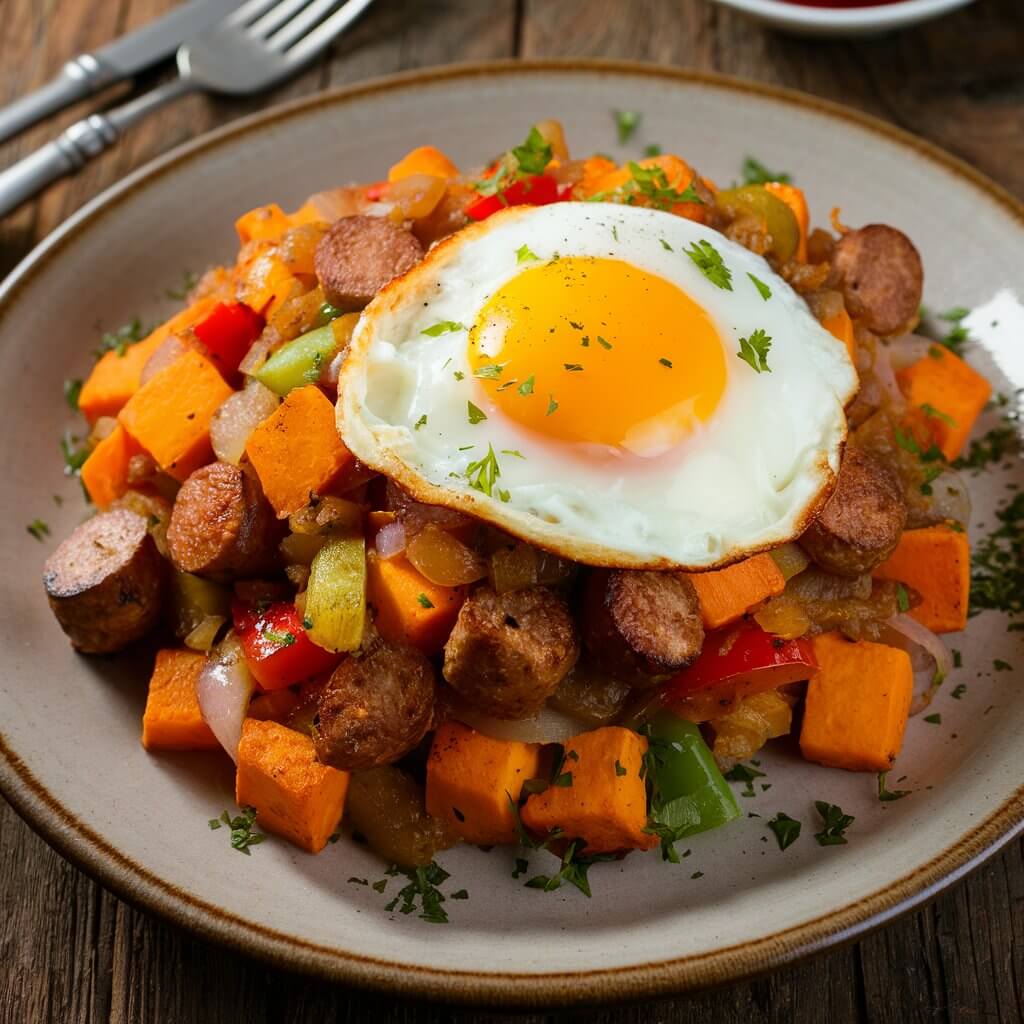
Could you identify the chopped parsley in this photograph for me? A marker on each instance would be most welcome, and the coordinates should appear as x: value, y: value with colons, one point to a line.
x: 902, y: 598
x: 626, y: 123
x: 937, y: 414
x: 120, y: 340
x: 444, y: 327
x: 996, y: 445
x: 326, y: 314
x: 745, y: 774
x: 72, y: 390
x: 534, y: 154
x: 277, y: 638
x: 38, y: 529
x: 421, y: 422
x: 423, y: 887
x: 573, y: 870
x: 573, y: 367
x: 755, y: 173
x: 709, y: 262
x: 665, y: 362
x: 652, y: 184
x: 189, y: 279
x: 522, y: 866
x: 754, y: 351
x: 490, y: 372
x: 483, y: 474
x: 762, y: 289
x: 552, y: 405
x: 242, y: 835
x: 474, y: 413
x: 515, y: 452
x: 619, y: 770
x: 958, y: 691
x: 74, y: 453
x: 603, y: 342
x: 526, y: 388
x: 424, y: 601
x: 958, y: 335
x: 888, y: 795
x: 665, y: 245
x: 1002, y: 666
x: 652, y: 149
x: 935, y: 719
x: 997, y: 563
x: 834, y: 824
x: 524, y: 253
x: 563, y: 779
x: 786, y: 829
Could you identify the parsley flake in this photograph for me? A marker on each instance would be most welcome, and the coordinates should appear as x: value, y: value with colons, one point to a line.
x: 755, y: 173
x: 72, y: 390
x: 603, y: 342
x: 665, y: 245
x: 626, y: 123
x: 424, y: 601
x: 834, y: 824
x: 552, y: 405
x: 242, y: 835
x: 665, y: 362
x: 902, y: 598
x: 483, y: 474
x: 652, y: 149
x: 534, y: 154
x: 652, y: 184
x: 524, y: 254
x: 745, y: 774
x: 936, y: 414
x: 421, y: 422
x: 786, y: 829
x: 490, y: 372
x: 762, y: 289
x: 444, y: 327
x: 619, y: 770
x: 120, y: 340
x: 573, y: 367
x: 423, y: 887
x: 475, y: 413
x: 958, y: 691
x: 888, y: 795
x: 526, y: 388
x: 38, y: 529
x: 754, y: 351
x: 708, y: 261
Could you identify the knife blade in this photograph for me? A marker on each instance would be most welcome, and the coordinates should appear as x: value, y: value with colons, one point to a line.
x: 120, y: 59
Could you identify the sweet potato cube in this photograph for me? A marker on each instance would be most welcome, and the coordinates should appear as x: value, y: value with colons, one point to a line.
x: 410, y: 609
x: 172, y: 719
x: 296, y: 452
x: 949, y: 392
x: 840, y: 326
x: 264, y: 223
x: 115, y: 377
x: 105, y: 472
x: 728, y: 594
x: 295, y: 796
x: 936, y: 562
x: 170, y: 414
x: 470, y: 778
x: 857, y: 704
x: 606, y: 802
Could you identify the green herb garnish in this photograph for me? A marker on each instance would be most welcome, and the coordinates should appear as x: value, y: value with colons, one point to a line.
x: 38, y: 529
x: 421, y: 422
x: 754, y: 351
x: 786, y: 829
x: 525, y: 253
x: 888, y: 795
x: 626, y: 123
x: 552, y: 405
x: 474, y: 413
x: 745, y: 774
x: 490, y: 372
x: 534, y: 154
x: 526, y: 388
x: 444, y: 327
x: 763, y: 290
x: 708, y: 261
x: 242, y: 835
x: 755, y: 173
x: 483, y: 474
x: 902, y: 598
x: 424, y: 601
x: 935, y: 719
x: 189, y: 279
x: 834, y: 823
x: 120, y: 340
x: 423, y: 886
x: 72, y: 390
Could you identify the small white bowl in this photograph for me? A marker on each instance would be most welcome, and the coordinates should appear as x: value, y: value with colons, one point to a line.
x: 842, y: 21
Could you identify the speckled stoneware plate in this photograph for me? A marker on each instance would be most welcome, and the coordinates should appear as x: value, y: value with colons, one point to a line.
x: 71, y: 760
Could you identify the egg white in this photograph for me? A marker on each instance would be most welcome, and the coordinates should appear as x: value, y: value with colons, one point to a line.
x: 750, y: 478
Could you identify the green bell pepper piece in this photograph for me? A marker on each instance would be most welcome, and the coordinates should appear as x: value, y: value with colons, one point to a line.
x: 688, y: 793
x: 298, y: 362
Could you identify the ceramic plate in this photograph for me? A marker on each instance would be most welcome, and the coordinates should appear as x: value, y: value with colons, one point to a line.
x: 71, y: 760
x: 843, y: 21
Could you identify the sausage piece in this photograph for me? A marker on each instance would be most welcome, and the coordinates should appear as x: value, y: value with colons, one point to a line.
x: 879, y: 271
x: 221, y: 525
x: 640, y: 626
x: 861, y: 524
x: 104, y: 582
x: 508, y: 652
x: 375, y: 707
x: 359, y: 255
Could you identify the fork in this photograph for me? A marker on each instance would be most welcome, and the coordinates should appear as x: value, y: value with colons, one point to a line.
x: 259, y: 45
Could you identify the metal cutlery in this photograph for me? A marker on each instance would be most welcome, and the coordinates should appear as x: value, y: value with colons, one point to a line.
x: 260, y: 44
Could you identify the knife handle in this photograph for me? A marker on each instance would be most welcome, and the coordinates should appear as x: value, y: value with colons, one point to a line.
x: 78, y: 78
x: 68, y: 152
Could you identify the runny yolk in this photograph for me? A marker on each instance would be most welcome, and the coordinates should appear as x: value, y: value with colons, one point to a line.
x: 597, y: 351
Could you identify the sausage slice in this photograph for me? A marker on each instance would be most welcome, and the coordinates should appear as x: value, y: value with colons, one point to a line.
x: 641, y: 626
x: 861, y: 524
x: 359, y: 255
x: 221, y: 525
x: 375, y: 708
x: 508, y: 652
x: 879, y: 271
x: 104, y: 582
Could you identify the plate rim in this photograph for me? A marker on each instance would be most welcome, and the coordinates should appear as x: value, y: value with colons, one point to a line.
x: 133, y: 882
x: 891, y: 16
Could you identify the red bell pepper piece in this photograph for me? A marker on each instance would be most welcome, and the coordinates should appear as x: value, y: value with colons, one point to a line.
x: 377, y: 191
x: 228, y: 332
x: 534, y: 190
x: 744, y: 659
x: 276, y: 646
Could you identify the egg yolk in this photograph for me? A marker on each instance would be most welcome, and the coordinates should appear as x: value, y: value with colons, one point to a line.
x: 597, y: 351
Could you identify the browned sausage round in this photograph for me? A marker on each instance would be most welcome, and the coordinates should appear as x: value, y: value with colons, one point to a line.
x: 375, y: 708
x: 642, y: 626
x: 104, y: 582
x: 221, y: 525
x: 359, y: 255
x: 861, y: 524
x: 880, y: 273
x: 508, y: 652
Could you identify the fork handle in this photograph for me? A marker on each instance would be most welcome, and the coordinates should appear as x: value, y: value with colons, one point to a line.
x: 76, y: 146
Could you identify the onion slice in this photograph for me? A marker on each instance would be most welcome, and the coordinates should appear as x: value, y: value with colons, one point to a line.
x: 908, y: 349
x: 224, y: 688
x: 929, y: 656
x: 390, y: 540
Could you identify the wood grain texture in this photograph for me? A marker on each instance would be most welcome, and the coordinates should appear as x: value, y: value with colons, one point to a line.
x: 72, y: 954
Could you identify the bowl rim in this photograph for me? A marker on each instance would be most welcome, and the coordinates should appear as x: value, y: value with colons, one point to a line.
x: 133, y: 882
x: 891, y: 15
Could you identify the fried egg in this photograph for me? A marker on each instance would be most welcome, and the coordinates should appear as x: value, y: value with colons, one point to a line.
x: 618, y: 385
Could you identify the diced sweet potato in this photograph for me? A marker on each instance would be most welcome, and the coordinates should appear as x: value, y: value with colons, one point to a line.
x: 471, y: 778
x: 264, y: 223
x: 410, y: 609
x: 605, y: 803
x: 857, y: 704
x: 840, y: 326
x: 727, y: 594
x: 295, y: 796
x: 172, y: 719
x: 423, y: 160
x: 936, y: 562
x: 105, y: 472
x: 949, y: 393
x: 296, y: 452
x: 170, y: 414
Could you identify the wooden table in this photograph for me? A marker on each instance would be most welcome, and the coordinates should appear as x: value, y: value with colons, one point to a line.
x: 71, y: 952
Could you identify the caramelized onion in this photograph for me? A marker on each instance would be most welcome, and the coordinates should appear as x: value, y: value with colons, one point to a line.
x: 443, y: 558
x: 237, y: 417
x: 791, y: 559
x: 929, y: 657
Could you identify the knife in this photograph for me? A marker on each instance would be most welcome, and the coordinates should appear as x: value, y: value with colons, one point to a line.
x: 90, y: 72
